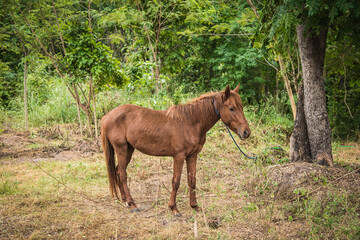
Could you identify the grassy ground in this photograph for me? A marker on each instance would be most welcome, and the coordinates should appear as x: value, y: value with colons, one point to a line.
x: 54, y: 186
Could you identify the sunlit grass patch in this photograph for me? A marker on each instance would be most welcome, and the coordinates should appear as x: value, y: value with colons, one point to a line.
x: 9, y: 187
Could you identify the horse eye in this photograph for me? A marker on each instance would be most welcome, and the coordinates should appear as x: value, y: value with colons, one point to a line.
x: 231, y: 109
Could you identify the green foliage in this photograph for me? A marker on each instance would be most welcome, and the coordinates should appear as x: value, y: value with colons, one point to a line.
x: 220, y: 48
x: 232, y: 62
x: 142, y: 76
x: 281, y: 17
x: 39, y: 80
x: 10, y: 63
x: 87, y: 56
x: 9, y: 84
x: 200, y: 46
x: 343, y: 88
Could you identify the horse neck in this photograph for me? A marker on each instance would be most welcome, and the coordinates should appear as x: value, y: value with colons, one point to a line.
x: 200, y: 113
x: 207, y: 117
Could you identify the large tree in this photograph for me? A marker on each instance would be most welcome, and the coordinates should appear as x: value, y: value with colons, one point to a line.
x: 311, y: 138
x: 310, y: 21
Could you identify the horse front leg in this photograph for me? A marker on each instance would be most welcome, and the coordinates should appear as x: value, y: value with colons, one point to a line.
x: 178, y: 166
x: 191, y: 171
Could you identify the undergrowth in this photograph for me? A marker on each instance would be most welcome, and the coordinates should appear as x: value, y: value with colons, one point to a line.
x: 334, y: 215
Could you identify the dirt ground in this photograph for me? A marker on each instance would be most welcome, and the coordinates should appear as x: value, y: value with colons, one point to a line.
x: 54, y: 186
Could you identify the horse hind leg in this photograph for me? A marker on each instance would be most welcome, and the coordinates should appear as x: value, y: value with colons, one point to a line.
x: 124, y: 153
x: 118, y: 182
x: 130, y: 151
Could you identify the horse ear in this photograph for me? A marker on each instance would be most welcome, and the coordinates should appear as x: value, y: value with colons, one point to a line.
x: 227, y: 92
x: 237, y: 88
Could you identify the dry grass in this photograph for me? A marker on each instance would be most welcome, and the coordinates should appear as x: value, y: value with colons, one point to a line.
x: 240, y: 199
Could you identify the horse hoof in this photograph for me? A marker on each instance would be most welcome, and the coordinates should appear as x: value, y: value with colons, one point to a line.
x: 178, y: 215
x: 135, y: 210
x: 197, y: 209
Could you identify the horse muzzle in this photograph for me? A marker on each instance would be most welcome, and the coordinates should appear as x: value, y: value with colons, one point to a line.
x: 244, y: 134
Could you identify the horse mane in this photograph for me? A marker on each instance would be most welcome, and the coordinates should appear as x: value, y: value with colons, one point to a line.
x: 193, y: 108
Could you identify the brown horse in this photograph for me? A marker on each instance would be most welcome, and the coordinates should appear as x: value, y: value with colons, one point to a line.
x: 179, y: 131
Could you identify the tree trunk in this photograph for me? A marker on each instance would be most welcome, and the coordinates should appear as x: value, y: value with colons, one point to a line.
x: 25, y: 96
x: 287, y: 86
x: 95, y: 118
x: 79, y: 117
x: 88, y: 117
x: 312, y: 54
x: 94, y: 102
x: 155, y: 72
x: 157, y: 76
x: 277, y: 92
x: 299, y: 140
x: 86, y: 108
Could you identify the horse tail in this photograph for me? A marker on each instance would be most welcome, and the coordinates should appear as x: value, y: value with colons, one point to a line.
x: 113, y: 176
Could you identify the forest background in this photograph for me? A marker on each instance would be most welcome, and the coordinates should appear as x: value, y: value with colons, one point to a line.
x: 63, y: 60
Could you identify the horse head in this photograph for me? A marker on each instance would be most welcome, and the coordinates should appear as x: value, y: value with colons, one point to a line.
x: 231, y: 113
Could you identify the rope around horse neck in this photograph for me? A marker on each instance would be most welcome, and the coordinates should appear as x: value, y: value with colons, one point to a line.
x: 233, y: 137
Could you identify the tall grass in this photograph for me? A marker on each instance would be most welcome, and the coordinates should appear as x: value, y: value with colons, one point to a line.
x: 59, y: 107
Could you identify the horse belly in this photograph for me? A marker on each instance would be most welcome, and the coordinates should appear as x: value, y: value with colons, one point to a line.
x: 153, y: 140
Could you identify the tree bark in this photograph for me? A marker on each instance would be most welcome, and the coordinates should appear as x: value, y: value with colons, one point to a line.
x: 78, y: 113
x: 287, y: 86
x: 25, y: 95
x: 253, y: 8
x: 299, y: 140
x: 95, y: 118
x: 312, y: 54
x: 94, y: 104
x: 85, y: 108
